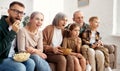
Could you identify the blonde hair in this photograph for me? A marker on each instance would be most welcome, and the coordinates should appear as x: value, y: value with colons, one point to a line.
x: 92, y: 18
x: 34, y: 14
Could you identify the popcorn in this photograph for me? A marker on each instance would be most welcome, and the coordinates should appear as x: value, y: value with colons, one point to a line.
x: 66, y: 51
x: 21, y: 57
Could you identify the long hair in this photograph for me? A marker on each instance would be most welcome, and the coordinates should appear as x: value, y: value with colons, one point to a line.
x: 59, y: 16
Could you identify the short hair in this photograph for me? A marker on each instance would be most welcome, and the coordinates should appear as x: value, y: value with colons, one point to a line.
x: 92, y: 18
x: 59, y: 16
x: 76, y: 12
x: 34, y: 14
x: 18, y: 3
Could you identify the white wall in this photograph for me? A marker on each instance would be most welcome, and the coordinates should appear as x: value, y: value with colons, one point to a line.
x: 49, y: 8
x: 4, y: 5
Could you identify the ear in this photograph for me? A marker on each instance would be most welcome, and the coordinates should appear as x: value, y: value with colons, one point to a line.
x: 8, y: 11
x: 73, y: 19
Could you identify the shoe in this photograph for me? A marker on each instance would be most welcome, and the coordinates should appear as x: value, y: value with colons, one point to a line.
x: 88, y: 67
x: 108, y: 69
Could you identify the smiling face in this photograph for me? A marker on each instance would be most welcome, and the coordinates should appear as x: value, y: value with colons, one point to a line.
x: 16, y: 12
x: 37, y: 20
x: 78, y: 18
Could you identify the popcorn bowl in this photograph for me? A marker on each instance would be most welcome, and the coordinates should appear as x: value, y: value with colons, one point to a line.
x: 66, y: 51
x: 21, y: 57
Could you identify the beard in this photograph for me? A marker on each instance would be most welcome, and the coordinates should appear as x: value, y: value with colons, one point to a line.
x: 12, y: 20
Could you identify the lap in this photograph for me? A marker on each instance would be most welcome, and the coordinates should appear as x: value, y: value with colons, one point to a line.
x: 11, y: 65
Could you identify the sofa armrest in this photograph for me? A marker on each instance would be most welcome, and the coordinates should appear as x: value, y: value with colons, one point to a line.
x: 112, y: 49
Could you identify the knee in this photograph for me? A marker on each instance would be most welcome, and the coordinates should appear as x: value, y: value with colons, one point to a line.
x: 83, y: 60
x: 69, y: 58
x: 99, y: 53
x: 20, y: 67
x: 30, y: 63
x: 84, y: 48
x: 91, y: 52
x: 62, y: 59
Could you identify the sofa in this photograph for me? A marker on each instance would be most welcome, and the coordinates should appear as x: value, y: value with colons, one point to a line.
x: 112, y: 53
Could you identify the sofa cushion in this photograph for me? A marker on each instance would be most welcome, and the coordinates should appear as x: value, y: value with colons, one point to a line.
x: 110, y: 48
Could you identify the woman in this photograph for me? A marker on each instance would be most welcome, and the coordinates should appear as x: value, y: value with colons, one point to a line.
x: 52, y: 39
x: 30, y: 38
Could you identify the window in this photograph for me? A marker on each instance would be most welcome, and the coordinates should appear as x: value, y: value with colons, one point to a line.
x: 116, y: 18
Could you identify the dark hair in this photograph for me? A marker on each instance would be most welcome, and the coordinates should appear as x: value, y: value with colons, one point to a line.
x: 59, y: 16
x: 18, y: 3
x: 72, y: 26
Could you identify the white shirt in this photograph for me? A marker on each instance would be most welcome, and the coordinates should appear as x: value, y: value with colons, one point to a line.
x: 57, y: 37
x: 12, y: 51
x: 92, y: 40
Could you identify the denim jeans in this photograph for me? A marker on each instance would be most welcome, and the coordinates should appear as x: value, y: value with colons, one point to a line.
x: 41, y: 64
x: 9, y: 64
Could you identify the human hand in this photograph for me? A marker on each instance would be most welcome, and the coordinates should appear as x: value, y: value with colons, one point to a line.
x: 15, y: 26
x: 56, y: 50
x: 44, y: 56
x: 30, y: 50
x: 100, y: 42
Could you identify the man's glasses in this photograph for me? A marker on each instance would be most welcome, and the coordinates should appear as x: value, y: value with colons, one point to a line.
x: 18, y: 12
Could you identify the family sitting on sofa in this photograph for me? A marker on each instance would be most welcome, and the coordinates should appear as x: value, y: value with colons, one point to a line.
x: 88, y: 52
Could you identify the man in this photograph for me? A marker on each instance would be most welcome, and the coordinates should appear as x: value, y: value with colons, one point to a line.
x: 78, y: 18
x: 95, y: 58
x: 9, y: 26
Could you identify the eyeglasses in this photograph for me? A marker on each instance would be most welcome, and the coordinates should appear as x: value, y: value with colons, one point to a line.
x: 18, y: 12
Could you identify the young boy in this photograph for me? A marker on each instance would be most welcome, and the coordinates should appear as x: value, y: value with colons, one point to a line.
x: 91, y: 37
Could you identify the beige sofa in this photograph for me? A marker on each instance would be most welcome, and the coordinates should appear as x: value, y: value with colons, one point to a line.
x: 112, y: 52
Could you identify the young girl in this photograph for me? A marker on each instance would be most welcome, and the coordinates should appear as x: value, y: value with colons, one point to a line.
x: 74, y: 42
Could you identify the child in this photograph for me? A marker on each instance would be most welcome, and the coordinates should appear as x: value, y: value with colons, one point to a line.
x: 74, y: 42
x: 91, y: 37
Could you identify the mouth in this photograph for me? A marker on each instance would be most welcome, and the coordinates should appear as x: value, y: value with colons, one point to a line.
x: 18, y: 19
x: 63, y: 25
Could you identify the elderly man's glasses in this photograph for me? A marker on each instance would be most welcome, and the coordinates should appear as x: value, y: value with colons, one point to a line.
x: 18, y: 12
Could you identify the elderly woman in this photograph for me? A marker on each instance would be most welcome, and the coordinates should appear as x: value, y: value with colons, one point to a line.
x: 30, y: 39
x: 52, y: 39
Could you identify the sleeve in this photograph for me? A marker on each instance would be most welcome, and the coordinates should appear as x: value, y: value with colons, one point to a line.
x: 40, y: 42
x: 21, y: 40
x: 79, y: 43
x: 64, y: 44
x: 5, y: 41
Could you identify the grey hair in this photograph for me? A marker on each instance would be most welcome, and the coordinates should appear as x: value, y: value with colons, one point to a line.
x: 78, y: 11
x: 59, y: 16
x: 34, y: 14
